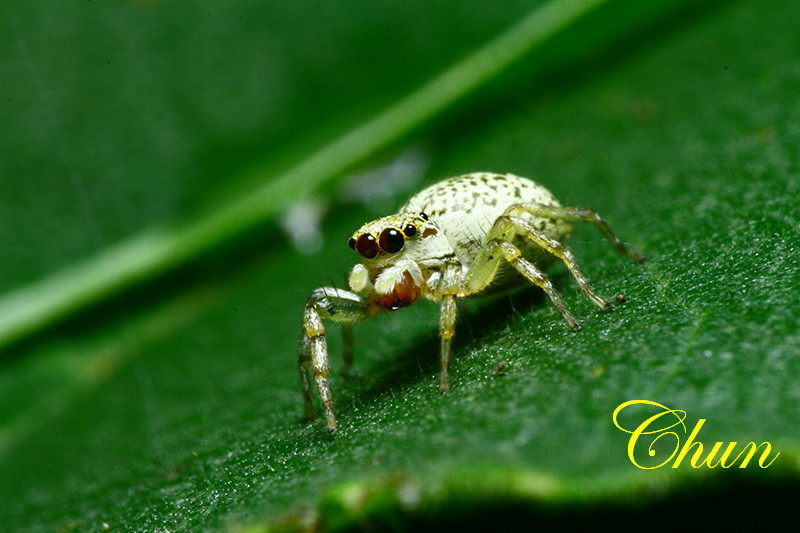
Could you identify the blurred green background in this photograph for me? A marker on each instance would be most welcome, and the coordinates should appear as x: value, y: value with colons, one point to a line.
x: 168, y: 400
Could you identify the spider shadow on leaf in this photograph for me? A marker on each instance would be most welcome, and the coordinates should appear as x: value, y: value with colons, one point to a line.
x: 478, y: 320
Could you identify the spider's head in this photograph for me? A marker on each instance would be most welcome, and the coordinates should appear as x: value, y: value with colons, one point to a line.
x: 385, y: 241
x: 401, y: 256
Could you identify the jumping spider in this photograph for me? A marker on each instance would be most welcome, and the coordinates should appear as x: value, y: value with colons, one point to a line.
x: 459, y: 237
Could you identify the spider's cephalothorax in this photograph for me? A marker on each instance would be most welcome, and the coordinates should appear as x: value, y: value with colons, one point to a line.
x: 462, y: 236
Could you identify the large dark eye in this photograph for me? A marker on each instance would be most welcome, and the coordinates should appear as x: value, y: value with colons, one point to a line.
x: 391, y: 240
x: 367, y: 246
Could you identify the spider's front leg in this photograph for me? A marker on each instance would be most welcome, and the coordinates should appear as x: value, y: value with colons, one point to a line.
x: 340, y: 306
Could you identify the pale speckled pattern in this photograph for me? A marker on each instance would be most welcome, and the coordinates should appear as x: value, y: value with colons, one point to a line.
x: 465, y: 207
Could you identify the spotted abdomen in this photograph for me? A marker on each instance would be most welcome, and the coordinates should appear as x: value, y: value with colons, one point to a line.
x: 465, y: 207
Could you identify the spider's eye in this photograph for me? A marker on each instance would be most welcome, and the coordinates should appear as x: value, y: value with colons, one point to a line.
x: 423, y: 216
x: 367, y: 246
x: 352, y: 243
x: 391, y: 240
x: 410, y: 230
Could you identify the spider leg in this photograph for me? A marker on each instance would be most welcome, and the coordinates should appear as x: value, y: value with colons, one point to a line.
x: 499, y: 250
x: 577, y: 214
x: 337, y: 305
x: 500, y: 247
x: 507, y: 227
x: 448, y: 289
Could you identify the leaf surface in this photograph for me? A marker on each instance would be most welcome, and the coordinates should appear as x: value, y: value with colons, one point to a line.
x: 175, y: 406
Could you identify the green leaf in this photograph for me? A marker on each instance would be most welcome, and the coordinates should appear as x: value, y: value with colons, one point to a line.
x: 157, y: 250
x: 168, y: 398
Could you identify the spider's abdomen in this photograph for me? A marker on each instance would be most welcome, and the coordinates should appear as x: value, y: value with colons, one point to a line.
x: 465, y: 208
